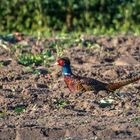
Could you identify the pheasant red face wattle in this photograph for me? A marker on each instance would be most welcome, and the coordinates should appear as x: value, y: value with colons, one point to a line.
x: 60, y: 62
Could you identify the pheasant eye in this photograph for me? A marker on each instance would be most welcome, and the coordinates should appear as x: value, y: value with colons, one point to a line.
x: 61, y: 62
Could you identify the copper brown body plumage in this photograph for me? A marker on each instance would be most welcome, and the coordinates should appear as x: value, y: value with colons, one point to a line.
x: 82, y: 84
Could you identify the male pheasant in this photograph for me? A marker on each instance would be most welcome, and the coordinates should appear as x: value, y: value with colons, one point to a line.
x: 82, y: 84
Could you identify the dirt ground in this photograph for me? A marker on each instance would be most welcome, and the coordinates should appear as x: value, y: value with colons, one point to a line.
x: 51, y: 112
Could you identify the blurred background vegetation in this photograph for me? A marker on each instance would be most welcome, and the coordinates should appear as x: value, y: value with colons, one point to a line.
x: 90, y: 16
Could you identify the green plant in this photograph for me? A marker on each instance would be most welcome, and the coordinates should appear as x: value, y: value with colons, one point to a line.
x: 62, y: 103
x: 29, y: 59
x: 19, y: 109
x: 92, y: 16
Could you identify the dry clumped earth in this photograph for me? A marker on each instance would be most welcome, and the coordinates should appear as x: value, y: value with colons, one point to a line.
x: 50, y: 111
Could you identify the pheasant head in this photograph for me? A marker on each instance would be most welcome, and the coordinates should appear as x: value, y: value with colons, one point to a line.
x: 65, y: 64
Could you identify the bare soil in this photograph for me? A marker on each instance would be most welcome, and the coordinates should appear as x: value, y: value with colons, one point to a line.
x: 51, y: 112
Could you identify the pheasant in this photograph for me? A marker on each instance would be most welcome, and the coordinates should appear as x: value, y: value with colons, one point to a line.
x: 82, y: 84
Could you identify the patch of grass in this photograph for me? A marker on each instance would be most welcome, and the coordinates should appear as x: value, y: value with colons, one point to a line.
x: 16, y: 49
x: 19, y: 109
x: 52, y: 49
x: 28, y: 59
x: 44, y: 58
x: 62, y: 103
x: 17, y: 46
x: 36, y: 72
x: 48, y: 57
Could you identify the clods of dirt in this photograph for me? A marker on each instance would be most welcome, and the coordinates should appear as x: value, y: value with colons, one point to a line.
x: 39, y: 106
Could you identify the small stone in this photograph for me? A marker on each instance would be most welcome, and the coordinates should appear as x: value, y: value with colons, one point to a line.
x: 126, y: 60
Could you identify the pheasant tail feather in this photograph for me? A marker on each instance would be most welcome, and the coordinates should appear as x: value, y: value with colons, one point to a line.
x: 117, y: 85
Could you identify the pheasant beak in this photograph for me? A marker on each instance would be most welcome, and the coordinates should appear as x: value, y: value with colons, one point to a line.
x: 56, y: 63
